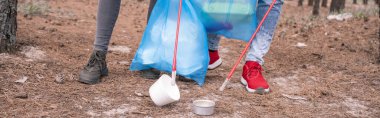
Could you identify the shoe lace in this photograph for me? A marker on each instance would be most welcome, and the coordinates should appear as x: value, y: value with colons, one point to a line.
x: 94, y: 60
x: 254, y: 71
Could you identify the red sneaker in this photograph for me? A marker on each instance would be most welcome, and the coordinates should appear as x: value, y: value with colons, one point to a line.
x: 253, y: 79
x: 215, y: 60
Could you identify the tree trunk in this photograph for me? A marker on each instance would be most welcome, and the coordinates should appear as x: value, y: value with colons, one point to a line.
x: 316, y: 7
x: 300, y: 2
x: 337, y: 6
x: 310, y: 3
x: 355, y: 2
x: 324, y: 3
x: 333, y: 6
x: 8, y: 24
x: 342, y: 5
x: 378, y: 4
x: 365, y: 2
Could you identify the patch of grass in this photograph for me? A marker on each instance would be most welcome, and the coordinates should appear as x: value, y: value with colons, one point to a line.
x: 34, y: 7
x: 365, y: 13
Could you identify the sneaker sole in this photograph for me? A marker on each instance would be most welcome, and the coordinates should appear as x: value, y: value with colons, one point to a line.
x: 258, y: 90
x: 216, y: 64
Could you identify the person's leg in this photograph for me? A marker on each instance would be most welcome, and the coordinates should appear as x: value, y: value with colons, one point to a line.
x: 152, y: 3
x: 252, y: 76
x: 108, y: 11
x: 96, y: 67
x: 213, y: 45
x: 213, y: 42
x: 261, y: 43
x: 150, y: 73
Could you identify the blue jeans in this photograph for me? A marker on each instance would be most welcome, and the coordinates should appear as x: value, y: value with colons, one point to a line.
x: 260, y: 45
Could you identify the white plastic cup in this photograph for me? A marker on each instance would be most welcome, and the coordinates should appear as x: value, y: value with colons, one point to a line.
x: 163, y: 92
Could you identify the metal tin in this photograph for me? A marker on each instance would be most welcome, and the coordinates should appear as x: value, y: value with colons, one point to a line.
x: 203, y: 107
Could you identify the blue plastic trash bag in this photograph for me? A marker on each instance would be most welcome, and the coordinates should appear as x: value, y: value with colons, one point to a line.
x: 157, y: 45
x: 231, y: 18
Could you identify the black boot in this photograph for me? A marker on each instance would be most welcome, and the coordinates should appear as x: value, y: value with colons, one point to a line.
x: 150, y: 74
x: 95, y: 68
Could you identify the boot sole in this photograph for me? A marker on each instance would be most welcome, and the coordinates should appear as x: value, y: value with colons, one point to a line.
x: 150, y: 74
x: 259, y: 90
x: 93, y: 80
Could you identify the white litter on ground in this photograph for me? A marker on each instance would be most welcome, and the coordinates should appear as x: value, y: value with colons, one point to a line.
x: 300, y: 45
x: 123, y: 62
x: 340, y: 17
x: 122, y: 49
x: 33, y: 53
x: 22, y: 80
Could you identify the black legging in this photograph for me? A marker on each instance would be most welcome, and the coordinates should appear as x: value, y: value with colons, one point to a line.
x: 108, y: 11
x: 151, y: 5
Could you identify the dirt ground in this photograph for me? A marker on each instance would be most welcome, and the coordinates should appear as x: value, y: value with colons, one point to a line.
x: 336, y: 75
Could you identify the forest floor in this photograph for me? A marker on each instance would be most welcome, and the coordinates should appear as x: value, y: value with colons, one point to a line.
x: 336, y: 75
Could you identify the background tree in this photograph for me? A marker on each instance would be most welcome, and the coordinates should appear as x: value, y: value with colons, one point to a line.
x: 316, y: 7
x: 342, y: 4
x: 333, y: 6
x: 355, y: 1
x: 300, y: 2
x: 8, y: 24
x: 324, y: 3
x: 310, y: 3
x: 337, y: 5
x: 365, y: 2
x: 378, y: 4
